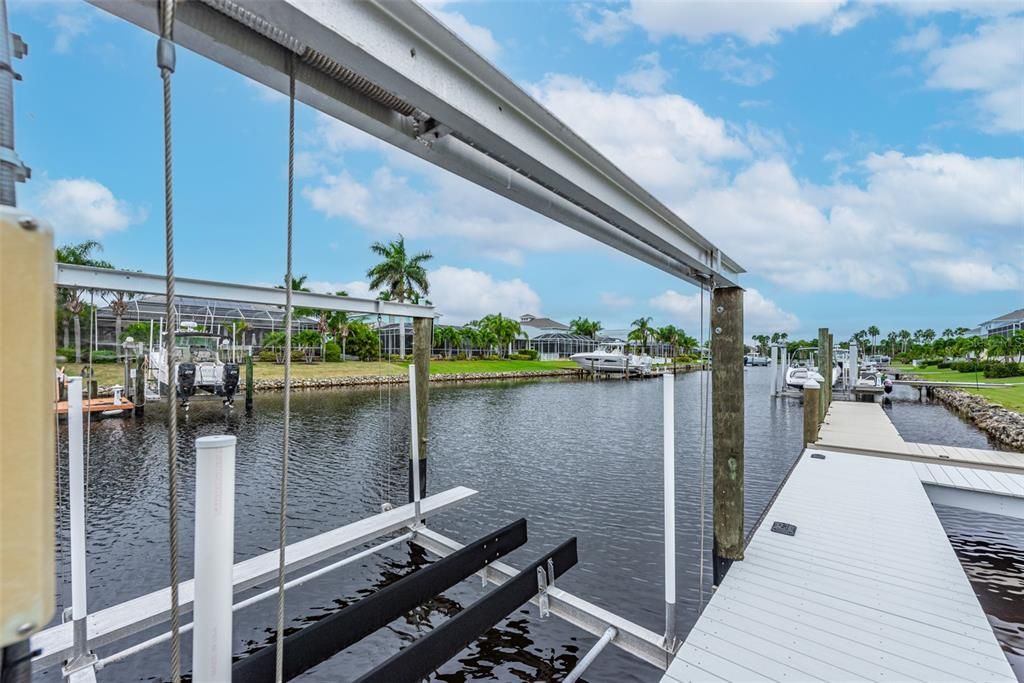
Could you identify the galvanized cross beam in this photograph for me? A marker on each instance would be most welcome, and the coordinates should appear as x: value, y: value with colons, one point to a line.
x: 392, y: 70
x: 106, y: 279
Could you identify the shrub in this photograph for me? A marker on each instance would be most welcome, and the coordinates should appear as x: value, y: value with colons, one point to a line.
x: 521, y: 356
x: 102, y: 356
x: 306, y: 338
x: 266, y: 357
x: 65, y: 353
x: 394, y: 358
x: 273, y: 339
x: 528, y: 354
x: 332, y: 352
x: 997, y: 370
x: 362, y: 341
x: 139, y: 331
x: 944, y: 364
x: 460, y: 356
x: 968, y: 366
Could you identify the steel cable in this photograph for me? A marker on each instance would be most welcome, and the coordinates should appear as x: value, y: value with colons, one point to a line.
x: 283, y: 506
x: 165, y: 61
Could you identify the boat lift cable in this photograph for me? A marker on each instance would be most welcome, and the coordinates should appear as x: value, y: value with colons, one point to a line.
x: 283, y: 506
x: 165, y: 59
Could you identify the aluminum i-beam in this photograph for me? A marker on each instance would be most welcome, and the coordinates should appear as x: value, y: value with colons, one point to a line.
x: 106, y: 279
x: 497, y: 135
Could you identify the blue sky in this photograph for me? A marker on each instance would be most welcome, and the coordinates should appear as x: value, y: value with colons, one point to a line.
x: 863, y: 161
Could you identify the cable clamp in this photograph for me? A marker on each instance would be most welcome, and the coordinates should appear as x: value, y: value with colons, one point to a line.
x: 165, y: 57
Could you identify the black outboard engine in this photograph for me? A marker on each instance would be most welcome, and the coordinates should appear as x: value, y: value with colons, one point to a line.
x: 186, y: 380
x: 230, y: 381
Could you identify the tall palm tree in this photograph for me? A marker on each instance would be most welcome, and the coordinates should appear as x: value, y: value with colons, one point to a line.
x: 402, y: 276
x: 873, y: 331
x: 947, y: 333
x: 504, y: 330
x: 447, y: 337
x: 118, y: 302
x: 905, y: 336
x: 670, y: 334
x: 641, y: 332
x: 1017, y: 344
x: 998, y: 346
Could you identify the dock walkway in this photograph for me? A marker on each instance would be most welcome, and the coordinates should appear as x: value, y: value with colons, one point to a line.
x: 868, y: 587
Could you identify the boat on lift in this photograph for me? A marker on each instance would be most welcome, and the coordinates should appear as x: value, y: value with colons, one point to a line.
x: 613, y: 358
x: 201, y: 371
x: 803, y: 367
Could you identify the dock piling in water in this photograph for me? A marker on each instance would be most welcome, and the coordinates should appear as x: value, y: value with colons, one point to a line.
x: 422, y: 336
x: 812, y: 418
x: 727, y: 426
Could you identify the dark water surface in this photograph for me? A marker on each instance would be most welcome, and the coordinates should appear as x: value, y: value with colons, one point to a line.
x: 575, y: 458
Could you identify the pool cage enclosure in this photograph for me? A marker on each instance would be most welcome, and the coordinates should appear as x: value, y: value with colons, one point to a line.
x: 392, y: 70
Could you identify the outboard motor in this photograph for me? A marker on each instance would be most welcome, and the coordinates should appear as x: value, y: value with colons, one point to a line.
x: 230, y: 381
x: 887, y: 386
x: 186, y: 380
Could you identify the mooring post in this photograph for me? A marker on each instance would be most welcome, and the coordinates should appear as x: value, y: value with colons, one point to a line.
x: 828, y: 365
x: 248, y: 383
x: 811, y: 422
x: 727, y: 426
x: 214, y: 558
x: 825, y: 370
x: 422, y: 336
x: 139, y: 398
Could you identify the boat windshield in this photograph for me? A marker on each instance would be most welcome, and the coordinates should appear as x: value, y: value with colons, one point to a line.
x: 196, y: 349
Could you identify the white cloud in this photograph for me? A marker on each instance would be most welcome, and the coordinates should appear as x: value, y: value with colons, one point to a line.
x: 613, y: 300
x: 970, y: 276
x: 598, y: 24
x: 760, y: 314
x: 81, y: 206
x: 479, y: 37
x: 464, y: 294
x: 734, y: 68
x: 666, y: 142
x: 924, y: 39
x: 989, y: 63
x: 648, y: 77
x: 754, y: 21
x: 67, y: 26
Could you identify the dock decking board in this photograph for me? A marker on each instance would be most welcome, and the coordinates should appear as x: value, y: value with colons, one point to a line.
x: 853, y: 595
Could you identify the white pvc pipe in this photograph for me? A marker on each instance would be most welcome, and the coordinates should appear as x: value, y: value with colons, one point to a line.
x: 76, y: 490
x: 588, y: 659
x: 775, y: 370
x: 669, y: 422
x: 415, y: 436
x: 214, y: 558
x: 853, y: 364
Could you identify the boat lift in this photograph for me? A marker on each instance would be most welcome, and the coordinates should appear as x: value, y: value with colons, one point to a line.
x: 392, y: 70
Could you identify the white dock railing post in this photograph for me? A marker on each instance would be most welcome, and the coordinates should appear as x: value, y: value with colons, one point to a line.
x: 669, y: 427
x: 775, y: 369
x: 214, y: 558
x: 415, y: 442
x: 80, y: 655
x: 853, y: 363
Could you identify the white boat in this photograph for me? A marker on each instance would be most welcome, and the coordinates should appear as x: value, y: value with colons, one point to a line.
x: 803, y: 367
x: 612, y: 358
x: 200, y: 368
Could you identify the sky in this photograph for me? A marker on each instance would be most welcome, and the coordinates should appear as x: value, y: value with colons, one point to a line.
x: 863, y: 161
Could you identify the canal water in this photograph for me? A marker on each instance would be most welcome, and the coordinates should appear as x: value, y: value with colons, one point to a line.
x: 575, y: 458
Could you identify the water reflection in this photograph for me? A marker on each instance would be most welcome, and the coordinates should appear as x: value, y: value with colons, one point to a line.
x: 575, y: 458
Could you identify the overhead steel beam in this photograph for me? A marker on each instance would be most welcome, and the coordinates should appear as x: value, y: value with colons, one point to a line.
x: 482, y: 126
x: 106, y: 279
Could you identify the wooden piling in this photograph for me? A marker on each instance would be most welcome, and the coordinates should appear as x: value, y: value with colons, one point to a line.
x: 248, y: 382
x: 139, y: 397
x: 812, y: 396
x: 825, y: 371
x: 422, y: 336
x: 727, y: 427
x: 828, y: 366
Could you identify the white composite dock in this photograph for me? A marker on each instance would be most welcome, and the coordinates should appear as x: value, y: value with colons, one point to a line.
x: 868, y: 587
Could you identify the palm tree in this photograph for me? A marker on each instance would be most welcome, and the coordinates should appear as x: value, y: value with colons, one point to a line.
x: 504, y: 330
x: 71, y: 300
x: 641, y: 332
x: 402, y: 276
x: 948, y: 332
x: 585, y: 327
x: 447, y: 337
x: 873, y: 332
x: 670, y: 334
x: 119, y: 306
x: 1017, y: 344
x: 998, y: 345
x: 904, y: 336
x: 469, y: 338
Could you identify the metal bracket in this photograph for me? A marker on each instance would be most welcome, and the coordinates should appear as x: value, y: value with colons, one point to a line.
x: 19, y: 46
x: 82, y: 661
x: 817, y: 456
x: 542, y: 593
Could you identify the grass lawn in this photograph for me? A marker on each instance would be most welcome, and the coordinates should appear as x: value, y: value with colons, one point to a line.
x: 1011, y: 397
x: 108, y: 374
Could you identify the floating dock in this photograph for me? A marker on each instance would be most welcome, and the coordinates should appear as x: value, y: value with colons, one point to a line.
x: 851, y: 575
